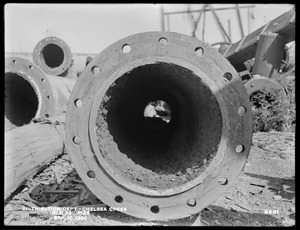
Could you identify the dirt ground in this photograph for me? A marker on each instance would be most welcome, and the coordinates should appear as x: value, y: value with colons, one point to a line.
x: 263, y: 195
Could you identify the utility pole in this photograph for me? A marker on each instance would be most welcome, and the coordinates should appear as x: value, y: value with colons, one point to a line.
x: 229, y: 28
x: 239, y: 19
x: 162, y: 17
x: 203, y: 29
x: 196, y: 22
x: 225, y: 35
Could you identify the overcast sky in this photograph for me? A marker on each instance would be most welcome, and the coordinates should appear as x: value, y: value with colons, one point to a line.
x: 89, y: 28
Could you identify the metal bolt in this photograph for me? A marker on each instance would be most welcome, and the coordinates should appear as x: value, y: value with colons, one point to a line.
x: 163, y: 41
x: 191, y: 202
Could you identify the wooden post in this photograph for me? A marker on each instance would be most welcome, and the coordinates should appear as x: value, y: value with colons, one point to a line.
x: 162, y: 17
x: 30, y: 147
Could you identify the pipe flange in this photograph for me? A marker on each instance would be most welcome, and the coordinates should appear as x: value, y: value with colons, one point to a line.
x: 53, y: 55
x: 201, y: 86
x: 37, y: 79
x: 259, y: 83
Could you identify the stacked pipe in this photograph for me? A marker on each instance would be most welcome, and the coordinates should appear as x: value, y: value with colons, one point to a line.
x: 164, y: 164
x: 54, y: 56
x: 32, y: 95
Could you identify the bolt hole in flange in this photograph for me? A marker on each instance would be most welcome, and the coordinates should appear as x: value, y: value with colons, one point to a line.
x: 191, y: 202
x: 76, y: 140
x: 163, y: 41
x: 78, y: 103
x: 227, y: 76
x: 95, y: 70
x: 155, y: 209
x: 223, y: 181
x: 241, y: 111
x: 119, y: 199
x: 126, y: 48
x: 199, y: 51
x: 239, y: 148
x: 91, y: 174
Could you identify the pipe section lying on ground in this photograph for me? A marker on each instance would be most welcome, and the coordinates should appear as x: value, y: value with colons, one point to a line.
x: 128, y: 155
x: 53, y: 55
x: 30, y: 93
x: 28, y: 148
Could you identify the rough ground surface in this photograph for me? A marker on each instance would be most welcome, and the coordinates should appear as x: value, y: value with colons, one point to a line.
x: 263, y: 195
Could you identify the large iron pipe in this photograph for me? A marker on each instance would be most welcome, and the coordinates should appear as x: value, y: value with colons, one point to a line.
x: 30, y: 93
x: 155, y: 169
x: 29, y: 148
x: 53, y: 55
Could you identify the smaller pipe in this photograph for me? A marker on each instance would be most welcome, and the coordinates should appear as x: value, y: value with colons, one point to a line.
x: 53, y: 55
x: 259, y: 83
x: 30, y: 93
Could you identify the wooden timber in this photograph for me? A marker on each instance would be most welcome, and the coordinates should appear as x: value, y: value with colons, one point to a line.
x: 30, y: 147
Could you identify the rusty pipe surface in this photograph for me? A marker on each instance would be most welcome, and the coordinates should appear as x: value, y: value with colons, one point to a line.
x: 159, y: 123
x: 53, y: 55
x: 30, y: 93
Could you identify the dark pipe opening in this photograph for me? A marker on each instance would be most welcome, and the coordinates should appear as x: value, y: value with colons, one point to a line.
x: 147, y: 150
x: 262, y: 98
x: 53, y: 55
x: 21, y: 100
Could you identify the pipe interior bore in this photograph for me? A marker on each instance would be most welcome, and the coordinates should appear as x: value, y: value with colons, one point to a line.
x: 21, y: 100
x: 149, y: 151
x: 262, y: 98
x: 53, y: 55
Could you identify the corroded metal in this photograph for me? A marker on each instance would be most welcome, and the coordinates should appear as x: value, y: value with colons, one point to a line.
x: 159, y: 170
x: 30, y: 93
x: 53, y: 55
